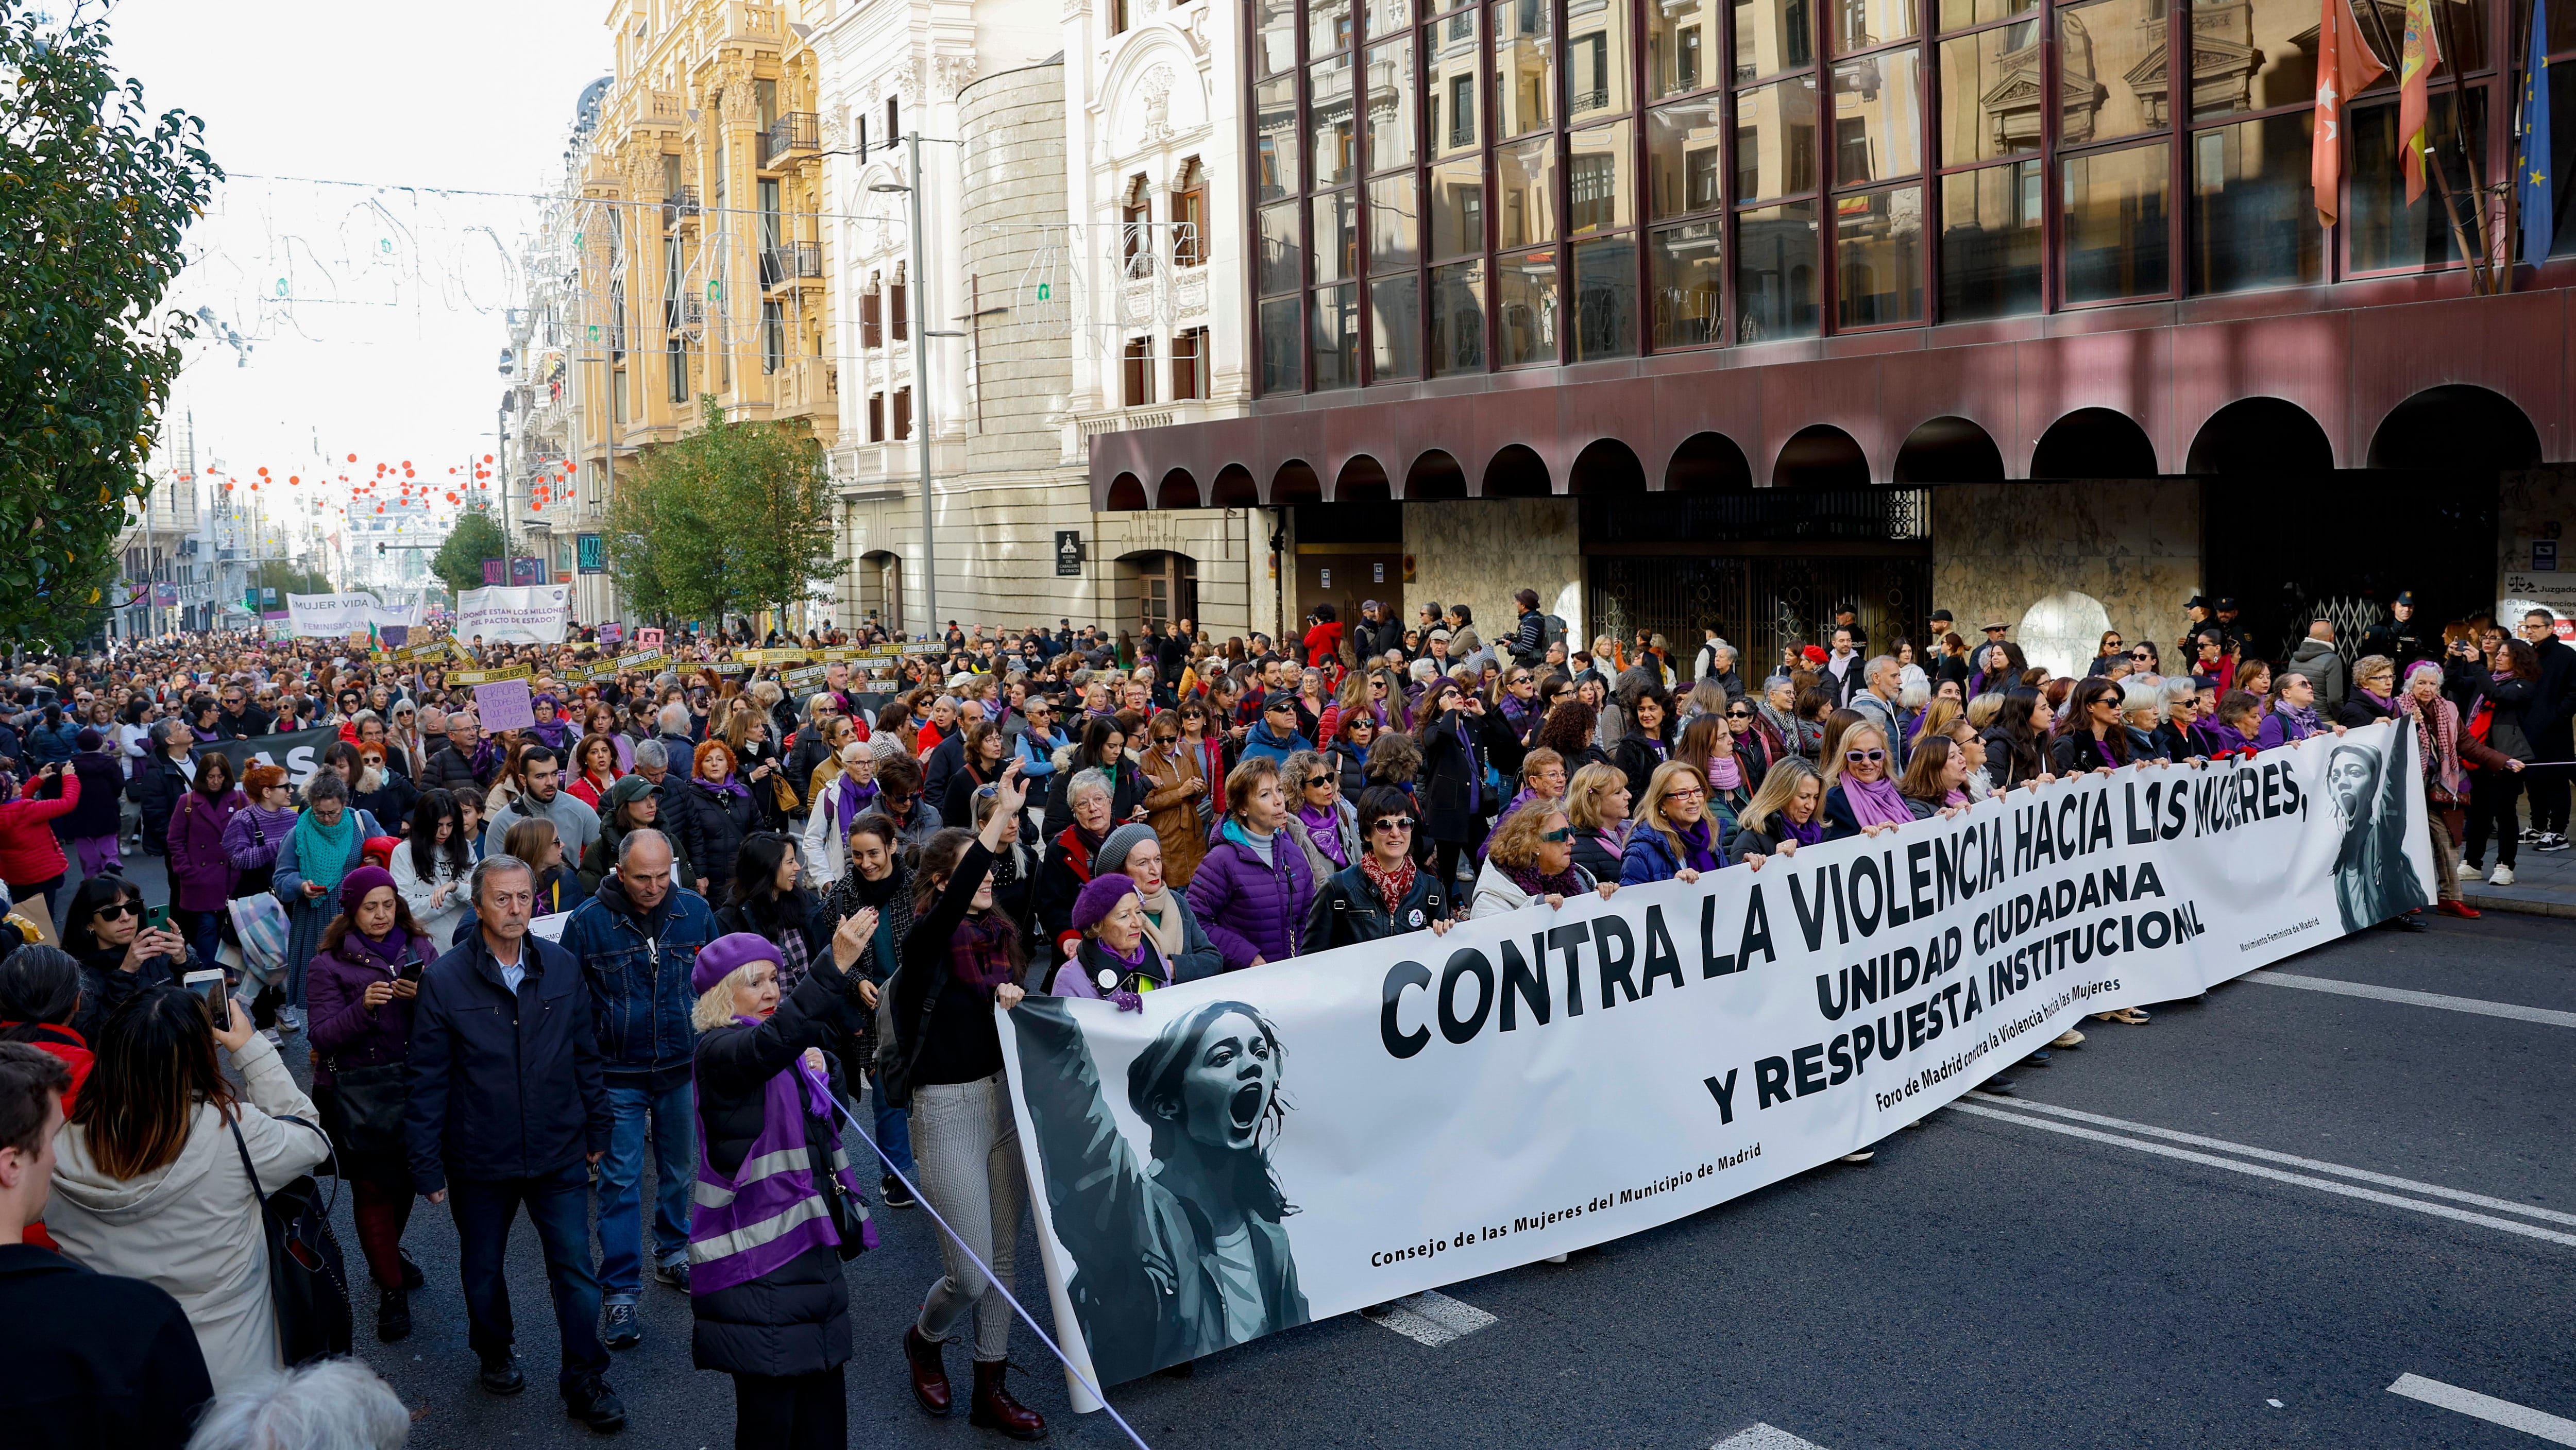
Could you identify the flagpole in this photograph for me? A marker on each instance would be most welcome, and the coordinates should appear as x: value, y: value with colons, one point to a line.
x: 2450, y: 205
x: 2460, y: 142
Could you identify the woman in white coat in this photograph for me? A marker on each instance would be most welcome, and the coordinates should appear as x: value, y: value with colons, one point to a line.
x: 431, y: 865
x: 1530, y: 859
x: 148, y: 1178
x: 838, y: 801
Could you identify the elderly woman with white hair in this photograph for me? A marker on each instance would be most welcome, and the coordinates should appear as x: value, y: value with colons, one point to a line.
x: 331, y: 1404
x: 778, y: 1201
x: 2142, y: 713
x: 839, y: 800
x: 1067, y: 866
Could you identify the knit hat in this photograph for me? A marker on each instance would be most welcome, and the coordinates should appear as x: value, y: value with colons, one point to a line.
x: 1815, y: 654
x: 355, y: 886
x: 1100, y: 896
x: 884, y: 747
x: 1112, y: 855
x: 720, y: 958
x: 87, y: 739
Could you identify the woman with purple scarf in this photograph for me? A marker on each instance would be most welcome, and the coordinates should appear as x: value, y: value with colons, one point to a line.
x: 1786, y: 813
x: 778, y: 1202
x: 551, y: 729
x: 1861, y: 796
x: 1675, y: 838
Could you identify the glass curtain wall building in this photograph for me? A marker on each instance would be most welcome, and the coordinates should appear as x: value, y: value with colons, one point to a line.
x: 1446, y: 188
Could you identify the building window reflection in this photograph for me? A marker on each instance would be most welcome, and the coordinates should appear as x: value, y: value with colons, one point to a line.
x: 1448, y: 186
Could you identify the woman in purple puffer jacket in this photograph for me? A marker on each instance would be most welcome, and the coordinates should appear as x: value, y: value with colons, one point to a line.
x: 1254, y: 889
x: 359, y: 987
x: 255, y: 832
x: 201, y: 871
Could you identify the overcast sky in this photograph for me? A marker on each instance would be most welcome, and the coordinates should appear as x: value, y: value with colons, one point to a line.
x: 387, y: 341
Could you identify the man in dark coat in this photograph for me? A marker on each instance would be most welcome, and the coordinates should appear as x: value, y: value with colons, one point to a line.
x: 240, y: 717
x: 508, y: 1110
x: 161, y: 779
x: 2401, y: 637
x: 95, y: 1362
x: 2546, y: 722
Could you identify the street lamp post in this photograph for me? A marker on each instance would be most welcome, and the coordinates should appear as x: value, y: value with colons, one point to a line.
x: 921, y: 384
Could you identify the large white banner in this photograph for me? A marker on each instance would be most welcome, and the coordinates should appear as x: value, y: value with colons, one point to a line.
x: 524, y: 614
x: 1275, y: 1146
x: 329, y: 616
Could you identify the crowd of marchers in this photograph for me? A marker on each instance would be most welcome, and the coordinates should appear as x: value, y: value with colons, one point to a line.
x: 750, y: 936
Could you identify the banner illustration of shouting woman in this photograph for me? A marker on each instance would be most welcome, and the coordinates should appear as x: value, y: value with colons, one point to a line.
x: 1177, y: 1251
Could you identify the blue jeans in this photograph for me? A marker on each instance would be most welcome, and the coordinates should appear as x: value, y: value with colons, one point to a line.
x: 673, y: 1115
x: 894, y: 1135
x: 559, y: 1208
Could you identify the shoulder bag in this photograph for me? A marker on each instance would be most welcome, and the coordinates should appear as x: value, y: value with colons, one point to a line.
x: 308, y: 1284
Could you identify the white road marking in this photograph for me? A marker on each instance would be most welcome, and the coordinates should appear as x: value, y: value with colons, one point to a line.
x: 2328, y: 1185
x: 2542, y: 1015
x: 2486, y: 1407
x: 1433, y: 1318
x: 2502, y: 1205
x: 1765, y: 1437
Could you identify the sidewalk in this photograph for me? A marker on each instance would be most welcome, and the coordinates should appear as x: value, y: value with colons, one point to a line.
x: 2544, y: 884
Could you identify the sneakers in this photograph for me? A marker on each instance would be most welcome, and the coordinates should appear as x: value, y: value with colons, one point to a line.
x: 2470, y: 868
x: 623, y: 1330
x: 2550, y: 841
x: 1863, y: 1156
x: 594, y: 1404
x: 2502, y: 875
x: 2530, y: 835
x: 2068, y: 1038
x: 674, y: 1274
x: 892, y: 1191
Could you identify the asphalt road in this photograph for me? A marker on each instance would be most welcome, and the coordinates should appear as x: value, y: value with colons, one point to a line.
x: 2239, y: 1225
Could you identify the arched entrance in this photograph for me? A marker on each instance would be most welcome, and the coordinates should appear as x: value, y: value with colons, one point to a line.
x: 880, y: 581
x: 1156, y: 586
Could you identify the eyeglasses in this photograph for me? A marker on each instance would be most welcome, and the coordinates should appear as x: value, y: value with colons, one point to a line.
x: 1392, y: 823
x: 122, y: 908
x: 1684, y: 793
x: 1314, y: 781
x: 1864, y: 755
x: 1559, y: 836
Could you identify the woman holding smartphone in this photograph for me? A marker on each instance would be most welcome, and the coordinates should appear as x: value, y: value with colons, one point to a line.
x: 361, y: 983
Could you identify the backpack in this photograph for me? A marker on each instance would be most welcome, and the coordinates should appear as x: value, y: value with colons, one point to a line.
x: 1552, y: 631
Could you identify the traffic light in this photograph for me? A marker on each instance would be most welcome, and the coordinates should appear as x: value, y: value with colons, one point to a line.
x: 380, y: 551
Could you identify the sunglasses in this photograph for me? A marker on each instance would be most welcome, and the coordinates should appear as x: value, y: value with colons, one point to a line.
x: 122, y: 908
x: 1392, y: 823
x: 1864, y: 755
x: 1739, y: 714
x: 1559, y: 836
x: 1313, y: 781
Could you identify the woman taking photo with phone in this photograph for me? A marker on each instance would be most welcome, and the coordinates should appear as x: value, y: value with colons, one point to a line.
x: 119, y: 953
x: 361, y: 982
x: 152, y: 1178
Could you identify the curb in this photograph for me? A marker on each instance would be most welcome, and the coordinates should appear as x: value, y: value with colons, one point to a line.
x: 2520, y: 905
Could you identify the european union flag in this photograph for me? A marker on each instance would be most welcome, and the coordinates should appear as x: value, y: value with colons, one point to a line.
x: 2534, y: 194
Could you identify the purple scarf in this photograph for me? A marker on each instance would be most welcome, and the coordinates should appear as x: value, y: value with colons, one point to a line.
x: 730, y: 786
x: 1699, y: 852
x: 1568, y: 882
x: 1807, y: 833
x: 745, y: 1227
x: 388, y: 953
x: 979, y: 955
x: 1876, y: 802
x: 854, y: 798
x: 1724, y: 773
x: 1324, y: 828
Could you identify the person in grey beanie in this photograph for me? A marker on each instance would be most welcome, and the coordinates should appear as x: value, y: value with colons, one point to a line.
x: 1136, y: 852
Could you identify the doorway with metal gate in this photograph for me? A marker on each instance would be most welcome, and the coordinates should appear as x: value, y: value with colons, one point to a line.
x: 1767, y: 569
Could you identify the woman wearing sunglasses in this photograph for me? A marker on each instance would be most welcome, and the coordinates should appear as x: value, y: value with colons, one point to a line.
x: 2090, y: 733
x: 1530, y: 860
x: 1383, y: 893
x: 1861, y: 796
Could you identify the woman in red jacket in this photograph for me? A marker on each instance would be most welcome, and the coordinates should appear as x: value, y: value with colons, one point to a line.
x: 31, y: 860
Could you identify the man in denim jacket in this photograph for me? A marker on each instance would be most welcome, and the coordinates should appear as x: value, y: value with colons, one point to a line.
x: 637, y: 941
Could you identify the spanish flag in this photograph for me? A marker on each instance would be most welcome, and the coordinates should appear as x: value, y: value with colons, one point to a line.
x: 2421, y: 53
